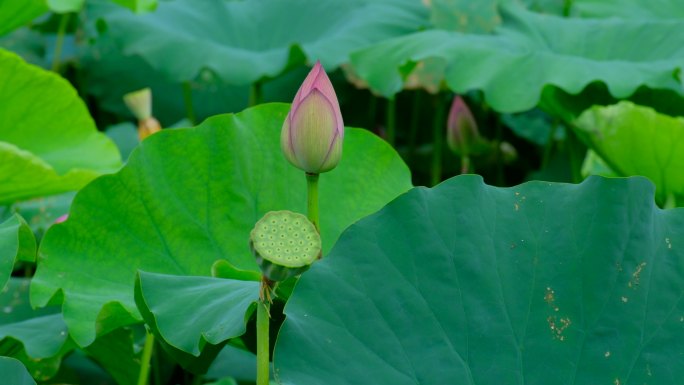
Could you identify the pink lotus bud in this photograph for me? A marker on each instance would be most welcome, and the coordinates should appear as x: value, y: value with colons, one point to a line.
x: 462, y: 131
x: 313, y: 131
x: 62, y: 218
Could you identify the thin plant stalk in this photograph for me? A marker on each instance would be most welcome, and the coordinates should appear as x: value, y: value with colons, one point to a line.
x: 549, y: 145
x: 415, y: 121
x: 28, y: 270
x: 575, y: 162
x: 156, y: 374
x: 255, y: 94
x: 144, y: 373
x: 312, y: 199
x: 438, y: 125
x: 372, y: 110
x: 262, y: 326
x: 567, y: 5
x: 498, y: 138
x: 61, y: 32
x: 390, y: 120
x: 187, y: 99
x: 465, y: 163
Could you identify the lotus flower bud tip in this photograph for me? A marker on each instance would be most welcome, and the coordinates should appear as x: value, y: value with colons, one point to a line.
x: 462, y: 130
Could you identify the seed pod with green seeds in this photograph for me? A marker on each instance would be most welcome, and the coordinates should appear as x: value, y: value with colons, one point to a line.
x: 285, y: 244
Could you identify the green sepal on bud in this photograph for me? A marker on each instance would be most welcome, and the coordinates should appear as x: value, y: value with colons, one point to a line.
x: 284, y: 244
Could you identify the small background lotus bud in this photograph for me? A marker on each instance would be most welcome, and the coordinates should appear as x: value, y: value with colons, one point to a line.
x: 140, y: 104
x: 62, y: 218
x: 313, y: 131
x: 462, y: 132
x: 284, y: 244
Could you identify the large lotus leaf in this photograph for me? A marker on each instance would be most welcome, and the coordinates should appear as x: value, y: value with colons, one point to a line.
x: 36, y: 337
x: 594, y: 165
x: 529, y: 52
x: 464, y: 15
x: 465, y: 283
x: 188, y: 197
x: 16, y: 243
x: 116, y: 354
x: 213, y: 308
x: 138, y: 5
x: 14, y: 14
x: 48, y: 141
x: 13, y: 372
x: 633, y: 9
x: 111, y: 75
x: 567, y: 107
x: 535, y: 126
x: 244, y: 41
x: 635, y: 140
x: 233, y: 362
x: 63, y: 6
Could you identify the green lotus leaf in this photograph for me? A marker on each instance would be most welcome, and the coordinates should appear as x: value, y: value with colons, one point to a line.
x: 529, y: 52
x: 138, y: 5
x: 471, y: 284
x: 109, y: 71
x: 632, y: 9
x: 216, y: 309
x: 594, y: 165
x: 14, y: 372
x: 115, y: 353
x: 229, y: 38
x: 567, y: 107
x: 48, y: 142
x: 37, y: 337
x: 234, y: 362
x: 14, y: 14
x: 635, y: 140
x: 63, y: 6
x: 480, y: 16
x: 188, y: 197
x: 17, y: 243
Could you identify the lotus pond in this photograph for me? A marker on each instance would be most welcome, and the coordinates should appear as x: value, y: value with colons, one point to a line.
x: 341, y: 192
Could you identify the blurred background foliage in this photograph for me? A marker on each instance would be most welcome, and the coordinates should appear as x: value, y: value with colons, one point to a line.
x: 527, y: 68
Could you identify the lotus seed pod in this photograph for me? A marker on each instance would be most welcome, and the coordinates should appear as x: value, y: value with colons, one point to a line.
x: 285, y: 244
x: 140, y: 103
